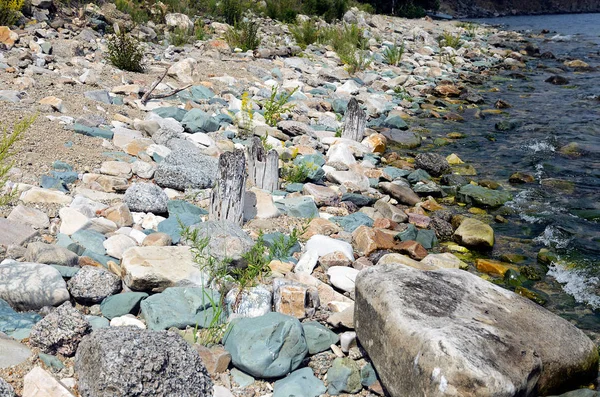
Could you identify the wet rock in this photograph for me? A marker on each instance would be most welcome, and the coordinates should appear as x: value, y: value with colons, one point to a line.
x: 482, y: 196
x: 402, y: 139
x: 519, y: 177
x: 60, y: 331
x: 474, y: 233
x: 31, y: 286
x: 117, y: 359
x: 557, y: 80
x: 493, y: 333
x: 403, y: 194
x: 269, y: 346
x: 93, y: 284
x: 433, y: 163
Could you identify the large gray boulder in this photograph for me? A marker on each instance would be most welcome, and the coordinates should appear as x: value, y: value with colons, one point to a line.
x: 31, y: 286
x: 93, y: 284
x: 146, y: 197
x: 185, y: 168
x: 128, y: 361
x: 450, y: 333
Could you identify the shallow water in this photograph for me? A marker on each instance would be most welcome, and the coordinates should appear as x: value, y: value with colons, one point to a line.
x: 564, y: 217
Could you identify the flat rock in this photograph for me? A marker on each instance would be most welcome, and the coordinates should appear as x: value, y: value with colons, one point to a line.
x: 39, y: 195
x: 474, y: 233
x: 29, y: 216
x: 39, y: 383
x: 50, y: 254
x: 31, y: 286
x: 156, y: 268
x: 12, y: 352
x: 16, y: 325
x: 450, y: 333
x: 15, y: 233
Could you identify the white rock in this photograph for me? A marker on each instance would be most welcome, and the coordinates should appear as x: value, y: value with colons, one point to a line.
x: 259, y: 204
x: 340, y: 153
x: 39, y: 383
x: 116, y: 245
x: 71, y: 220
x: 445, y: 260
x: 307, y: 262
x: 137, y: 235
x: 220, y: 391
x: 342, y: 277
x: 323, y: 245
x: 347, y: 340
x: 184, y: 70
x: 143, y: 169
x: 181, y: 21
x: 116, y: 168
x: 86, y: 206
x: 124, y: 136
x: 39, y: 195
x: 29, y: 216
x: 100, y: 225
x: 338, y: 306
x: 127, y: 320
x: 350, y: 87
x: 349, y: 179
x: 151, y: 221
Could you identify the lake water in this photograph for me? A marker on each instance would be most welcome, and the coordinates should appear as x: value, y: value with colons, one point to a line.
x: 557, y: 140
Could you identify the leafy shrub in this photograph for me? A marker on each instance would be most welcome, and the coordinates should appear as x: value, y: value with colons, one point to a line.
x: 349, y: 42
x: 125, y: 51
x: 7, y: 142
x: 447, y: 39
x: 199, y: 32
x: 275, y: 105
x: 305, y: 33
x: 328, y: 9
x: 179, y: 37
x: 354, y: 58
x: 9, y: 11
x: 282, y: 10
x: 392, y: 55
x: 293, y: 173
x: 231, y: 10
x: 138, y: 13
x: 243, y: 35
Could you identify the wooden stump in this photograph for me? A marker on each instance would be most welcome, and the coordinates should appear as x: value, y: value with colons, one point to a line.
x: 263, y: 168
x: 356, y: 121
x: 227, y: 198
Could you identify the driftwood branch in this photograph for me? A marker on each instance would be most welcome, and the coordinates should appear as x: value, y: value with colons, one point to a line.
x: 148, y: 95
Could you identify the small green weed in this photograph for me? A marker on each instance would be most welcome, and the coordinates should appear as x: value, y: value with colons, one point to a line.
x: 243, y: 35
x: 9, y: 11
x: 180, y: 37
x: 7, y: 143
x: 293, y: 173
x: 305, y: 33
x: 276, y: 104
x: 447, y: 39
x: 392, y: 55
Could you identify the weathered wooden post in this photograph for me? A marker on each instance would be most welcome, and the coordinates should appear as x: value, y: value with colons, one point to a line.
x: 356, y: 121
x: 227, y: 198
x: 263, y: 168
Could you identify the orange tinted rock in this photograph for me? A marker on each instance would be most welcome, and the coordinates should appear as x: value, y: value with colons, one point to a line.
x: 492, y: 267
x: 412, y: 249
x: 367, y: 240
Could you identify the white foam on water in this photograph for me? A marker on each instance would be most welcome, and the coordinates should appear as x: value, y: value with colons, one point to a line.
x: 541, y: 146
x: 577, y: 283
x: 553, y: 237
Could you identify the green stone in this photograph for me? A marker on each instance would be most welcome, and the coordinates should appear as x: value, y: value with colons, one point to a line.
x: 482, y: 196
x: 318, y: 337
x: 343, y: 376
x: 300, y: 383
x: 122, y: 304
x: 353, y: 221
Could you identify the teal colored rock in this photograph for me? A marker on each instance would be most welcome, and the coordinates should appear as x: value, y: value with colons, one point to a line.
x: 428, y: 189
x: 201, y: 93
x: 339, y: 105
x: 301, y: 207
x: 318, y: 337
x: 181, y: 207
x: 179, y: 307
x: 171, y: 112
x: 268, y: 346
x: 316, y: 159
x: 294, y: 187
x: 197, y: 120
x: 343, y: 376
x: 242, y: 379
x: 358, y: 199
x: 61, y: 166
x: 353, y: 221
x: 99, y: 96
x: 418, y: 176
x: 395, y: 172
x: 300, y: 383
x: 275, y: 242
x: 122, y: 304
x: 507, y: 125
x: 90, y: 240
x: 63, y: 240
x: 49, y: 182
x: 16, y: 325
x: 367, y: 375
x: 426, y: 238
x: 403, y: 139
x: 410, y: 233
x: 395, y: 122
x: 66, y: 271
x: 51, y: 361
x: 92, y: 131
x: 102, y: 259
x: 172, y: 225
x: 483, y: 196
x: 97, y: 322
x: 66, y: 176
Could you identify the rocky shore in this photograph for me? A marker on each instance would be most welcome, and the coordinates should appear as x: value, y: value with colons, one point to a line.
x: 150, y: 249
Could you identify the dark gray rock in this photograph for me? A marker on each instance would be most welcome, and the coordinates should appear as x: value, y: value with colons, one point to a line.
x: 60, y: 331
x: 6, y: 390
x: 128, y: 361
x: 186, y: 167
x: 93, y: 284
x: 146, y: 197
x: 50, y: 254
x: 433, y: 163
